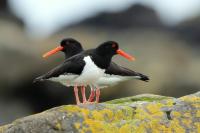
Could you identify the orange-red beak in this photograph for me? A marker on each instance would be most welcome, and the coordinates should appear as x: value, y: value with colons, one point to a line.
x: 53, y: 51
x: 124, y: 54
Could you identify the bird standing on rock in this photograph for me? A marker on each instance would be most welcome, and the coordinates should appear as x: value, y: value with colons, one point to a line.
x: 114, y: 73
x: 85, y: 68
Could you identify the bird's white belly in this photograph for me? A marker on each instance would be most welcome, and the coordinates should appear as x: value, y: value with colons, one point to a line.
x: 110, y: 80
x: 90, y: 74
x: 67, y: 79
x: 104, y: 81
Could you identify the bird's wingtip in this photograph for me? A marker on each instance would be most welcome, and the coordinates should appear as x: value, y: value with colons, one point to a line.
x: 37, y: 79
x: 144, y: 78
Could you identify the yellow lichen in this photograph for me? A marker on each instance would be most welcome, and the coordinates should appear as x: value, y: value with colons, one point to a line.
x: 196, y: 105
x: 100, y: 126
x: 140, y: 128
x: 118, y: 115
x: 161, y: 128
x: 192, y: 99
x: 77, y: 125
x: 125, y: 129
x: 187, y: 114
x: 108, y: 114
x: 186, y: 122
x: 70, y: 108
x: 97, y: 119
x: 85, y: 112
x: 175, y: 114
x: 97, y: 115
x: 169, y: 102
x: 58, y: 126
x: 176, y: 127
x: 198, y: 113
x: 197, y: 124
x: 154, y: 108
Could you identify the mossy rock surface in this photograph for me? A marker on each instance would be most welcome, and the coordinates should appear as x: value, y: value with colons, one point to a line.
x: 138, y: 114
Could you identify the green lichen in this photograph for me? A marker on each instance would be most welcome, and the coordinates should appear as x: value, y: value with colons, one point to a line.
x: 144, y: 97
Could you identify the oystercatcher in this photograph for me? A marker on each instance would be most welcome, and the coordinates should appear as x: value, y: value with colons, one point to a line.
x: 85, y: 68
x: 70, y: 47
x: 113, y: 74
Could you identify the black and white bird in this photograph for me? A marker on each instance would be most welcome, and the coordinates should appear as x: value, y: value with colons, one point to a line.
x: 84, y: 68
x: 114, y: 74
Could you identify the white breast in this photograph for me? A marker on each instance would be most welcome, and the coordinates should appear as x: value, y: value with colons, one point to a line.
x: 91, y: 73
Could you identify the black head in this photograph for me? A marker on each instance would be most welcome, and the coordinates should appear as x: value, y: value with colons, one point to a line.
x: 70, y: 44
x: 108, y: 48
x: 70, y: 47
x: 104, y: 53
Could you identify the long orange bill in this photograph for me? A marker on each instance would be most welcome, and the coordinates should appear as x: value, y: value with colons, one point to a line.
x: 127, y: 56
x: 53, y: 51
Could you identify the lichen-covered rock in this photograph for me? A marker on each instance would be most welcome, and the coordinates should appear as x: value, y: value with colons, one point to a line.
x: 138, y: 114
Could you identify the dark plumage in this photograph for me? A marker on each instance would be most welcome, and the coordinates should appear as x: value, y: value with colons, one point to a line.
x: 90, y: 67
x: 68, y: 66
x: 72, y: 47
x: 115, y: 69
x: 101, y: 56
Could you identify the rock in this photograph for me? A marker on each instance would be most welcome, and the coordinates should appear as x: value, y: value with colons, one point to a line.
x: 142, y: 113
x: 136, y: 16
x: 189, y: 30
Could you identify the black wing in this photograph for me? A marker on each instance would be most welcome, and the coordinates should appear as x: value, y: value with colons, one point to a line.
x: 72, y: 65
x: 115, y: 69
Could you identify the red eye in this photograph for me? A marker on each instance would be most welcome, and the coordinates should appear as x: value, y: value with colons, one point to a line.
x: 113, y: 45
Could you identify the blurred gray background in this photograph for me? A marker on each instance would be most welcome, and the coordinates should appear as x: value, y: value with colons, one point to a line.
x: 164, y: 36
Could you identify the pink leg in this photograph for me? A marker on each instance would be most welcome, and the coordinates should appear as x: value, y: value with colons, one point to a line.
x: 83, y: 94
x: 76, y: 95
x: 97, y: 95
x: 92, y: 94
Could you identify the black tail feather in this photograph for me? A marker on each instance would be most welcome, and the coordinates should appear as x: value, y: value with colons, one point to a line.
x: 38, y: 79
x: 143, y: 77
